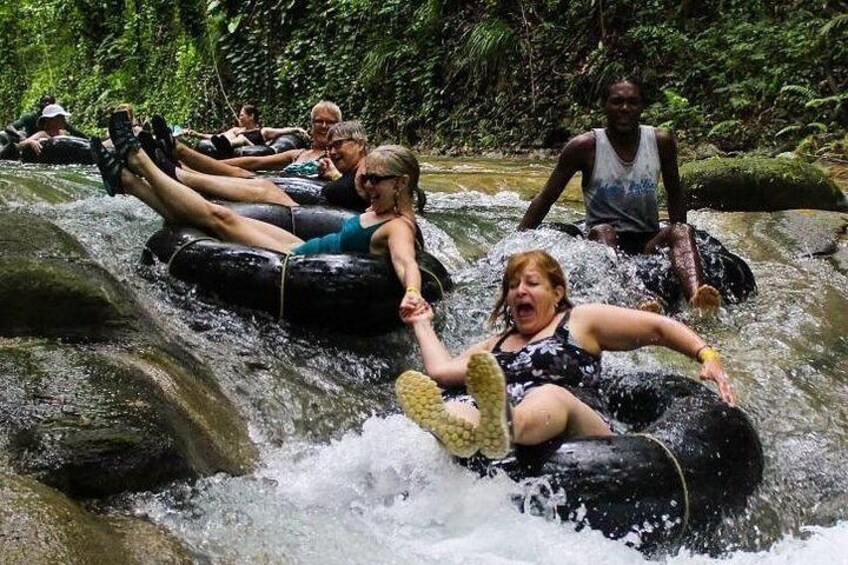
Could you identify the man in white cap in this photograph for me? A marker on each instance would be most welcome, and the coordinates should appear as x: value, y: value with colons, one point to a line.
x: 51, y: 122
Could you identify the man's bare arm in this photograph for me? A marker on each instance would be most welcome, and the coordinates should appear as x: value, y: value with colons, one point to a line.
x: 667, y: 146
x: 570, y: 160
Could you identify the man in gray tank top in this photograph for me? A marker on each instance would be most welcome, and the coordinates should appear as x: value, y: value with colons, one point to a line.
x: 620, y: 167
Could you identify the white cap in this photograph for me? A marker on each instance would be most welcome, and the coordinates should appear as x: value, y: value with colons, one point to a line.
x: 51, y: 111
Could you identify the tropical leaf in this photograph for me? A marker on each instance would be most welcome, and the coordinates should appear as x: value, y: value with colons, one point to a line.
x: 835, y: 100
x: 725, y: 127
x: 794, y: 128
x: 489, y: 45
x: 798, y: 90
x: 834, y: 25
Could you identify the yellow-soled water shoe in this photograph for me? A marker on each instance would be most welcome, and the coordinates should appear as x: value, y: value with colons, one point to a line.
x: 421, y: 400
x: 486, y: 384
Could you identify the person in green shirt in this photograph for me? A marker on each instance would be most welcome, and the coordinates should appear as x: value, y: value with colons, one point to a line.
x: 27, y: 124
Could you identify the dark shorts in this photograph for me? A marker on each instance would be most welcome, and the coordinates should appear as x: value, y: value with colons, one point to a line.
x: 633, y: 243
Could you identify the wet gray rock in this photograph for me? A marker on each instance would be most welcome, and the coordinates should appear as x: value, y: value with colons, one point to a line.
x: 40, y: 525
x: 94, y: 421
x: 93, y: 399
x: 49, y: 286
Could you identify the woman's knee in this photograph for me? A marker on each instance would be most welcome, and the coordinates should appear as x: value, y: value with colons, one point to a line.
x: 268, y: 190
x: 223, y: 219
x: 543, y: 414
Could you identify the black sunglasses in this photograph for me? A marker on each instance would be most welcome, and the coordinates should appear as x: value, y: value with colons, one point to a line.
x: 337, y: 143
x: 375, y: 179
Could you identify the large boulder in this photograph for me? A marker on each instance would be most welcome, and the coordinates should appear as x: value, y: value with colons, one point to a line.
x: 101, y: 420
x: 25, y: 184
x: 94, y: 400
x: 40, y: 525
x: 759, y: 184
x: 49, y: 286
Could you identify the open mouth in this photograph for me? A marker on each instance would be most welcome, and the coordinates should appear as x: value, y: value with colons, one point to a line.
x: 523, y: 310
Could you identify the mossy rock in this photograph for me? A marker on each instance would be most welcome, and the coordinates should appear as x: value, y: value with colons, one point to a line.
x: 41, y: 526
x: 94, y: 421
x: 759, y: 184
x: 49, y: 286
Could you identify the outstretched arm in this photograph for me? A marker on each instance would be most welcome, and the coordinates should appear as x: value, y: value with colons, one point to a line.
x: 188, y: 132
x: 601, y: 327
x: 569, y: 162
x: 439, y: 364
x: 401, y: 243
x: 270, y: 134
x: 667, y: 146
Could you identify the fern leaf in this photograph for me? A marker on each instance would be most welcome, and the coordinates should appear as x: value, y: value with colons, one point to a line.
x: 834, y: 25
x: 798, y: 90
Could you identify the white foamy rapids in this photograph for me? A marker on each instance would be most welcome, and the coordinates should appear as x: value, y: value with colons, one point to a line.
x: 390, y: 494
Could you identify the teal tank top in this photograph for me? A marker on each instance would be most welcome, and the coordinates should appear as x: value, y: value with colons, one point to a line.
x: 352, y: 238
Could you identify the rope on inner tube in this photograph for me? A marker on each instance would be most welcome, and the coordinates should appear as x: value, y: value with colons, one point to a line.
x: 186, y: 245
x: 283, y: 279
x: 435, y: 278
x: 684, y: 486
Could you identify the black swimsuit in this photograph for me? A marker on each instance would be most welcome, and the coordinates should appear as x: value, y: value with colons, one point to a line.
x: 552, y: 360
x: 254, y: 136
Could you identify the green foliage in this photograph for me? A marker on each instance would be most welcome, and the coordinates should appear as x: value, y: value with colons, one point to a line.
x: 478, y: 74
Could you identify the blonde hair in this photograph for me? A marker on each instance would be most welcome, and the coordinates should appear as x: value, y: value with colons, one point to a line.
x: 515, y: 266
x: 401, y: 161
x: 128, y: 108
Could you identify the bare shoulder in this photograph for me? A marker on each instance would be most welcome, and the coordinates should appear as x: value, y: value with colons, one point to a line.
x: 665, y: 138
x: 402, y: 224
x: 579, y: 143
x: 591, y: 312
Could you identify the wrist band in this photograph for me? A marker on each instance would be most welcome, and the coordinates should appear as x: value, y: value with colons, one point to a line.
x: 413, y: 290
x: 706, y: 353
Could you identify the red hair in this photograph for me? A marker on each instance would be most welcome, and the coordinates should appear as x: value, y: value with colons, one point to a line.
x: 515, y: 266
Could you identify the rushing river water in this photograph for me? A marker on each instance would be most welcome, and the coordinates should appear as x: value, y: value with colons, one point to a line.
x: 344, y: 479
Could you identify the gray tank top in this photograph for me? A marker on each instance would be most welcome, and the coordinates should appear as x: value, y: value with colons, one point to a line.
x: 623, y: 194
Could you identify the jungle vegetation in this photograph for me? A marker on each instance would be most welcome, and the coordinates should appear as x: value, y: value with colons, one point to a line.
x: 469, y: 75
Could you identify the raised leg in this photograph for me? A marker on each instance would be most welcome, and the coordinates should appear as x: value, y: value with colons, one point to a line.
x: 183, y: 205
x: 550, y: 410
x: 486, y: 384
x: 205, y: 164
x: 235, y: 189
x: 421, y: 400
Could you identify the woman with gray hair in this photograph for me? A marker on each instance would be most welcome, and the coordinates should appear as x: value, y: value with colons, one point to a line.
x: 389, y: 179
x: 347, y: 145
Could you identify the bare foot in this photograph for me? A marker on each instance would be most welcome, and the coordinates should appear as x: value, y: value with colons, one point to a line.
x: 706, y: 299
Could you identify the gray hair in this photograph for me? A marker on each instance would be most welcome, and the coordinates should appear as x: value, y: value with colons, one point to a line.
x: 330, y: 107
x: 348, y: 130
